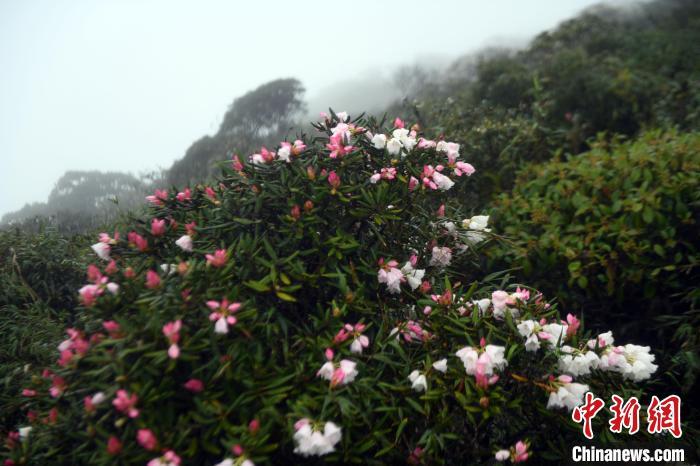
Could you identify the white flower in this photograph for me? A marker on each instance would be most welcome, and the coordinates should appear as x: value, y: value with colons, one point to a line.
x: 490, y: 359
x: 332, y: 432
x: 418, y: 382
x: 477, y: 222
x: 603, y: 340
x: 112, y: 287
x: 568, y: 395
x: 441, y: 257
x: 349, y: 368
x: 98, y: 398
x: 168, y: 269
x: 342, y: 116
x: 326, y: 371
x: 102, y: 250
x: 24, y: 432
x: 634, y: 362
x: 502, y: 455
x: 469, y: 356
x: 221, y: 326
x: 226, y: 462
x: 527, y: 329
x: 358, y: 344
x: 310, y: 442
x: 247, y: 462
x: 379, y: 141
x: 556, y: 332
x: 483, y: 305
x: 641, y: 362
x: 185, y: 243
x: 284, y: 153
x: 577, y: 363
x: 405, y: 137
x: 413, y: 276
x: 394, y: 146
x: 440, y: 365
x: 257, y: 159
x: 392, y: 278
x: 442, y: 182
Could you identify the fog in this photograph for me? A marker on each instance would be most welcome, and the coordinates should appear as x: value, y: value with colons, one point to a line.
x: 128, y: 85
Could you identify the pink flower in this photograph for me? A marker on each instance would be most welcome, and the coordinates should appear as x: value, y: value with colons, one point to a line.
x: 398, y: 123
x: 157, y: 227
x: 521, y: 453
x: 28, y: 392
x: 58, y: 386
x: 573, y: 324
x: 147, y: 439
x: 138, y: 241
x: 158, y: 197
x: 334, y: 180
x: 169, y: 458
x: 463, y: 168
x: 111, y: 268
x: 236, y: 163
x: 337, y: 146
x: 218, y: 259
x: 359, y: 341
x: 171, y: 330
x: 482, y: 380
x: 185, y: 195
x: 209, y: 192
x: 426, y: 143
x: 254, y: 426
x: 500, y: 299
x: 391, y: 275
x: 194, y: 385
x: 114, y: 446
x: 222, y: 314
x: 126, y: 403
x: 412, y: 183
x: 191, y: 228
x: 441, y: 211
x: 112, y: 328
x: 152, y: 279
x: 89, y: 294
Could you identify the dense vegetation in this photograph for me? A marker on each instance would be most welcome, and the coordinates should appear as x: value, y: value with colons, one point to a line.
x: 585, y: 145
x: 317, y: 301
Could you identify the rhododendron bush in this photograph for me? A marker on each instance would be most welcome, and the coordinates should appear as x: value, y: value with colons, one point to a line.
x: 322, y: 302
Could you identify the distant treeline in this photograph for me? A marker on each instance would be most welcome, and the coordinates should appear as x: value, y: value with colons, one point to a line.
x: 611, y: 70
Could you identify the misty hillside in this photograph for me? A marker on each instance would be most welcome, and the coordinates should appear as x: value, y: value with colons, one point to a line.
x: 611, y: 70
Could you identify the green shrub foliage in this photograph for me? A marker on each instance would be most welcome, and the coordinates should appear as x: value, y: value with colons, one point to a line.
x: 614, y: 232
x: 319, y: 303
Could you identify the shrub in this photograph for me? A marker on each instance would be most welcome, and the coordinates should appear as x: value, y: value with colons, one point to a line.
x: 613, y: 232
x: 45, y: 267
x: 39, y: 274
x: 318, y: 301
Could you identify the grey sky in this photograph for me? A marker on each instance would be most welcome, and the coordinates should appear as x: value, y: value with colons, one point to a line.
x: 129, y: 84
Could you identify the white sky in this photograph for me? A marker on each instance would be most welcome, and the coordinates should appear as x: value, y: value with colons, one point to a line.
x: 129, y: 84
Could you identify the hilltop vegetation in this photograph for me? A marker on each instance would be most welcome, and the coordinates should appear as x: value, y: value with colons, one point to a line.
x: 585, y: 147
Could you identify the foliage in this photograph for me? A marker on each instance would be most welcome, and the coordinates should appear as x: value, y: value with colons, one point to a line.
x: 43, y: 267
x: 83, y: 200
x: 613, y: 232
x: 223, y: 318
x: 261, y: 116
x: 39, y: 274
